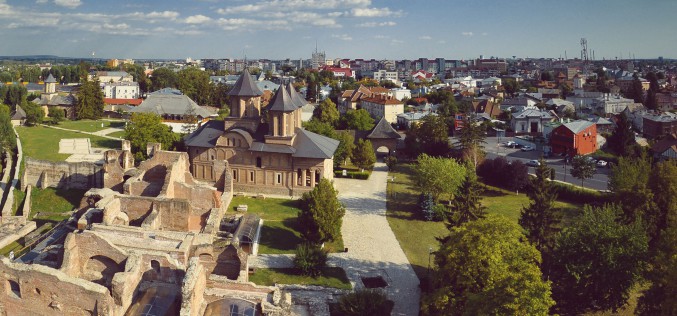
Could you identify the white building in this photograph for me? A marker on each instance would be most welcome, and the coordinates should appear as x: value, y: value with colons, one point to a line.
x: 383, y: 106
x: 111, y: 76
x: 400, y: 94
x: 385, y: 75
x: 120, y: 90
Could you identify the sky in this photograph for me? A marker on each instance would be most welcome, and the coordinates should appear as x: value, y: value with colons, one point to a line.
x: 379, y: 29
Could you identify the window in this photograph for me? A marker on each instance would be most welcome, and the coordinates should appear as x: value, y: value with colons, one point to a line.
x: 258, y: 162
x: 155, y: 265
x: 235, y: 175
x: 251, y: 176
x: 278, y: 177
x: 15, y: 289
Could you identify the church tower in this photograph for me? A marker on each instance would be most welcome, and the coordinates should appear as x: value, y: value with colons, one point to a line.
x: 244, y: 100
x: 50, y: 85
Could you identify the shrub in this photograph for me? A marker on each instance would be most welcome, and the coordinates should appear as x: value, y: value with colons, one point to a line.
x: 426, y: 203
x: 391, y: 161
x: 364, y: 302
x: 573, y: 194
x: 360, y: 175
x: 310, y: 259
x: 321, y: 213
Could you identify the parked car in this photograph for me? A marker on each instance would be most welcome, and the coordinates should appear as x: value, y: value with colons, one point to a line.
x: 510, y: 144
x: 527, y: 148
x: 601, y: 163
x: 533, y: 163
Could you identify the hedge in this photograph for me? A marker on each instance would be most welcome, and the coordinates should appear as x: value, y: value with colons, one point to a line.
x: 574, y: 194
x: 352, y: 174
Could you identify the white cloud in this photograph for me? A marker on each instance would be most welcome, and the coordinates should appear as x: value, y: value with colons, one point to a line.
x: 425, y: 38
x: 374, y: 12
x: 375, y: 24
x: 343, y: 37
x: 72, y: 4
x: 468, y: 34
x: 381, y: 36
x: 163, y: 15
x: 41, y: 1
x: 198, y: 19
x: 396, y: 41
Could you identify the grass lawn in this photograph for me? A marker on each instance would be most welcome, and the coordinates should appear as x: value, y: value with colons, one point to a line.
x: 330, y: 277
x: 41, y: 142
x: 90, y: 125
x: 53, y: 204
x: 417, y: 236
x: 120, y: 134
x: 279, y: 233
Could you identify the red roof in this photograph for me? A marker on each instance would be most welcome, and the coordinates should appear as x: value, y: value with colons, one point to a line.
x: 134, y: 102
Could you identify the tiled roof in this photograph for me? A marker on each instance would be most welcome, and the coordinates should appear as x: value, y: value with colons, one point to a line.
x: 311, y: 145
x: 532, y: 113
x: 282, y: 101
x: 383, y: 130
x: 50, y: 79
x: 245, y: 86
x: 578, y: 126
x: 122, y: 101
x: 206, y: 135
x: 19, y: 113
x: 170, y: 104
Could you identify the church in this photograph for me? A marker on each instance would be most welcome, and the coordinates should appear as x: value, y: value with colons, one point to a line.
x: 266, y: 149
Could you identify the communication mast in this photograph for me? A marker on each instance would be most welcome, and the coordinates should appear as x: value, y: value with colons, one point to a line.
x: 584, y: 50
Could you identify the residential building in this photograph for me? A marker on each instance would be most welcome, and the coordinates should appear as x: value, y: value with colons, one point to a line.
x: 400, y: 94
x: 529, y: 121
x: 492, y: 109
x: 625, y: 83
x: 341, y: 72
x: 278, y: 157
x: 351, y: 98
x: 490, y: 82
x: 498, y: 65
x: 659, y: 125
x: 111, y: 76
x: 518, y: 104
x: 612, y: 104
x: 603, y: 125
x: 383, y: 74
x: 406, y: 120
x: 574, y: 138
x: 383, y: 106
x: 665, y: 148
x: 121, y: 90
x: 176, y: 109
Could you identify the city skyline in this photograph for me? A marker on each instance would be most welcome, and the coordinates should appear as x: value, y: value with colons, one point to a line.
x: 280, y: 29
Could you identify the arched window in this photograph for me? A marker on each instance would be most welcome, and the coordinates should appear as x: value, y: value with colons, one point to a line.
x: 155, y: 265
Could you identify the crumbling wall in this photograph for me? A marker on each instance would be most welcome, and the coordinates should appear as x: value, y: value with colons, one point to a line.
x: 116, y: 162
x: 63, y: 175
x: 45, y: 291
x: 87, y: 255
x: 192, y: 292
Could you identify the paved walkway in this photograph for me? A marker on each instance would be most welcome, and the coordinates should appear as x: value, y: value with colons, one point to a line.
x: 373, y: 249
x: 83, y: 132
x: 109, y: 130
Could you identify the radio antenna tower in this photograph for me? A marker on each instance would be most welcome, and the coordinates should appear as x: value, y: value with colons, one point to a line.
x: 584, y: 50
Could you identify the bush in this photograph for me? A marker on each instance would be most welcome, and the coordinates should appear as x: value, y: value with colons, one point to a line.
x: 364, y: 302
x: 426, y: 203
x: 310, y: 259
x: 573, y: 194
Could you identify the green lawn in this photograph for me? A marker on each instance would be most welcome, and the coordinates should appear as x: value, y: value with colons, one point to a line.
x: 279, y: 233
x: 417, y: 236
x: 90, y: 125
x: 331, y: 277
x: 120, y: 134
x: 41, y: 142
x: 53, y: 204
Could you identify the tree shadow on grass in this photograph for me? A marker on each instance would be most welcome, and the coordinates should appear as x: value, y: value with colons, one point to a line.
x: 106, y: 143
x: 279, y: 239
x: 117, y: 124
x: 492, y: 192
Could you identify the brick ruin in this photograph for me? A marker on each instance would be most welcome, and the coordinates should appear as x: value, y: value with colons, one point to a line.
x: 148, y: 237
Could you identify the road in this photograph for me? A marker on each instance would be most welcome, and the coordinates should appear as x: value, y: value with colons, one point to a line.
x: 598, y: 182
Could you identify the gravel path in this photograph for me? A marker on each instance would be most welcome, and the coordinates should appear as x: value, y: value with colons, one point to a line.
x: 373, y: 249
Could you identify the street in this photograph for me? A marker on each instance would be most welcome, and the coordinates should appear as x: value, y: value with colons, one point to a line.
x: 598, y: 182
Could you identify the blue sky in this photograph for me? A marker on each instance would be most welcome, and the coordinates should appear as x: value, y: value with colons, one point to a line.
x: 395, y: 29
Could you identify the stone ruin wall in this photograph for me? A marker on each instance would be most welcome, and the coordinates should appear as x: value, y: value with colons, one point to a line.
x: 63, y: 175
x: 46, y: 291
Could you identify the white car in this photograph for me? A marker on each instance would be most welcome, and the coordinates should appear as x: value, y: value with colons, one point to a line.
x: 527, y: 148
x: 510, y: 144
x: 533, y: 163
x: 601, y: 163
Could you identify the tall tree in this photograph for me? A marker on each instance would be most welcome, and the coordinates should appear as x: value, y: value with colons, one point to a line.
x: 144, y: 128
x: 363, y: 154
x: 359, y: 120
x: 34, y: 113
x: 90, y: 101
x: 345, y: 147
x: 327, y: 112
x: 437, y: 176
x: 582, y: 168
x: 485, y: 268
x: 429, y: 137
x: 321, y: 213
x: 622, y: 139
x: 7, y: 137
x: 467, y: 206
x: 471, y: 141
x: 163, y: 78
x: 596, y: 261
x: 195, y: 84
x: 539, y: 219
x: 636, y: 91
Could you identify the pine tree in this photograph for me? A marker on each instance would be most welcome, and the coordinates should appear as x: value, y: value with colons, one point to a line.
x: 321, y: 213
x: 467, y: 205
x: 427, y: 206
x: 539, y: 218
x: 622, y: 138
x: 90, y: 101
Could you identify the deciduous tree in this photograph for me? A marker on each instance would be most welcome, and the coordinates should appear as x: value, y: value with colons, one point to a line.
x: 163, y: 78
x: 438, y: 176
x: 358, y: 119
x: 596, y: 261
x: 363, y: 154
x: 485, y: 268
x: 195, y: 84
x: 582, y: 168
x: 471, y: 141
x: 144, y: 128
x: 327, y: 112
x: 345, y: 147
x: 429, y: 137
x: 321, y: 213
